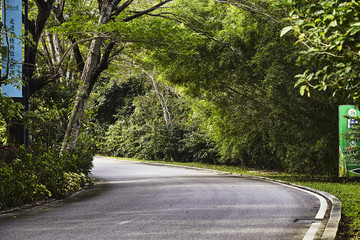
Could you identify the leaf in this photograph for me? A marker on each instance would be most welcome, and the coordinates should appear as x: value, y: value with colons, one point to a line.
x: 308, y: 91
x: 340, y: 65
x: 333, y: 23
x: 354, y: 30
x: 286, y: 30
x: 302, y: 90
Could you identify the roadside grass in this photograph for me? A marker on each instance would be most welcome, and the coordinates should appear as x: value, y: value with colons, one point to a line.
x: 347, y: 192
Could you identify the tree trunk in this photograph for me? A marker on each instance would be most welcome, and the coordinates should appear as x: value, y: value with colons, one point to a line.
x: 46, y: 50
x: 59, y: 51
x: 82, y: 96
x: 88, y: 78
x: 160, y: 98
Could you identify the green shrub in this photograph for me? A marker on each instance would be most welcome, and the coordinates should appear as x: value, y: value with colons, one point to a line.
x: 73, y: 182
x: 32, y: 174
x: 157, y: 141
x: 144, y: 134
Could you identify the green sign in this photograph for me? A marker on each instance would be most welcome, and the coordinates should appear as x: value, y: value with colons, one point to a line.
x: 349, y: 147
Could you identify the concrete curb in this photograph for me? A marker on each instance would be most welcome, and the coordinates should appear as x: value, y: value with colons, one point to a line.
x: 27, y: 206
x: 334, y: 212
x: 331, y: 224
x: 44, y: 202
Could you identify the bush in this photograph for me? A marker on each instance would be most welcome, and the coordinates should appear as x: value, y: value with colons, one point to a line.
x: 32, y: 174
x: 157, y: 141
x: 144, y: 133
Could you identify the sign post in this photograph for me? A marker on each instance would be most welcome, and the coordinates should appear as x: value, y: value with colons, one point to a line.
x: 349, y: 147
x: 12, y: 60
x: 12, y: 48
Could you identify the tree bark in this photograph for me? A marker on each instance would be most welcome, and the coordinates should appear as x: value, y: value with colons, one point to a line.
x: 82, y: 95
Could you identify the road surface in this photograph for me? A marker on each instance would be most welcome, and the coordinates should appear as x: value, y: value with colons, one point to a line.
x: 138, y: 201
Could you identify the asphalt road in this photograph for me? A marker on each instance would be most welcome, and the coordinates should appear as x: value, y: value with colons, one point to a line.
x: 138, y: 201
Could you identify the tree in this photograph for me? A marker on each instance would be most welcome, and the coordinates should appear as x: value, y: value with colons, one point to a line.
x: 37, y: 23
x: 330, y: 31
x: 143, y: 133
x: 96, y: 37
x: 100, y: 54
x: 240, y: 74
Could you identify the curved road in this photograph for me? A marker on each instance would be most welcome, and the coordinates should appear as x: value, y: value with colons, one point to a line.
x: 138, y: 201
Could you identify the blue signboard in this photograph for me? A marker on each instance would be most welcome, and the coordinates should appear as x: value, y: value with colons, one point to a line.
x: 12, y: 47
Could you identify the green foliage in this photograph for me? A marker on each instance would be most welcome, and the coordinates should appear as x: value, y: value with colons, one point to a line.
x: 114, y: 98
x: 10, y: 111
x: 28, y: 175
x: 241, y: 77
x: 144, y: 134
x: 73, y: 182
x: 50, y: 108
x: 330, y: 30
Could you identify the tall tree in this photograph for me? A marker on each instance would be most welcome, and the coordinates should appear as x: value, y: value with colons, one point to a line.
x: 100, y: 54
x: 241, y: 75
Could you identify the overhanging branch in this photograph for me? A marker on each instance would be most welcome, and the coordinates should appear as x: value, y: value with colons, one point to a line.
x: 251, y: 8
x: 139, y: 14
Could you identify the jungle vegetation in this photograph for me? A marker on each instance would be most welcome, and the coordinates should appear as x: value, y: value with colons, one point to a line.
x: 254, y: 84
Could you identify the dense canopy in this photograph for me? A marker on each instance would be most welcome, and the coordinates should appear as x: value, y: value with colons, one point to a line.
x: 215, y: 81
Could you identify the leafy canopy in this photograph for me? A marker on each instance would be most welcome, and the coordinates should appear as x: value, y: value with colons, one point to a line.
x: 330, y: 30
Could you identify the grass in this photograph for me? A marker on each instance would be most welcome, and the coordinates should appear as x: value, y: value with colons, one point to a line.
x: 348, y: 193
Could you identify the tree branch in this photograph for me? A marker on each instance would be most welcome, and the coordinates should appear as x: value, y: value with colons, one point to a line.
x: 251, y: 8
x: 118, y: 10
x: 204, y: 33
x: 128, y: 19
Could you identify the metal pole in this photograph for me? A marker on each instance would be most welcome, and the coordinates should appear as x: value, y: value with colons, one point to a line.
x: 26, y: 90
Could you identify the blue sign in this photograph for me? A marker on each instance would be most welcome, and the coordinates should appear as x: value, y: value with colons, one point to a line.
x: 12, y: 47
